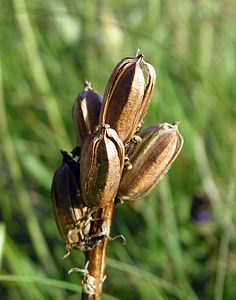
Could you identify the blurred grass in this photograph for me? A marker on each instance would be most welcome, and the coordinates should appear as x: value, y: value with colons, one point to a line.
x: 47, y: 49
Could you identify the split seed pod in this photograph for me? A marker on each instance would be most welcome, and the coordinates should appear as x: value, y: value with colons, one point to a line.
x: 151, y: 159
x: 86, y: 111
x: 102, y: 161
x: 127, y: 96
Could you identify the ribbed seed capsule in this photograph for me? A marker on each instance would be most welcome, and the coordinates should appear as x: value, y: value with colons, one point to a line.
x: 66, y: 196
x: 150, y: 159
x: 127, y: 96
x: 86, y: 111
x: 72, y: 217
x: 102, y: 161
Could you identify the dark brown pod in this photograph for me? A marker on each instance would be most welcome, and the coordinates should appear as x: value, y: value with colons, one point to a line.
x: 127, y: 96
x: 102, y: 161
x: 66, y: 196
x: 150, y: 160
x: 86, y: 111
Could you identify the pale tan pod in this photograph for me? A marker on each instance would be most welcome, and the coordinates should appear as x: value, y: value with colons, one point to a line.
x: 151, y: 159
x: 127, y: 96
x: 102, y: 160
x: 86, y: 111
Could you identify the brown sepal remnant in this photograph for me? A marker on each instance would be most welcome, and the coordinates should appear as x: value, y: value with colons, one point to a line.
x: 150, y: 160
x: 127, y: 96
x: 86, y: 111
x: 102, y: 161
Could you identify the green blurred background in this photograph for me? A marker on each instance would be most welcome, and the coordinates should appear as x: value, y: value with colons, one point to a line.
x: 47, y: 49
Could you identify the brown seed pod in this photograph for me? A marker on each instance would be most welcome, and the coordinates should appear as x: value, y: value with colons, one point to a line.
x: 67, y: 200
x: 86, y: 111
x: 73, y: 219
x: 102, y: 161
x: 150, y: 160
x: 127, y: 96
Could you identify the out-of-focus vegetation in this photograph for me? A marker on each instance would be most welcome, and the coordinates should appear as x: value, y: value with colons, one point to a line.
x: 47, y: 49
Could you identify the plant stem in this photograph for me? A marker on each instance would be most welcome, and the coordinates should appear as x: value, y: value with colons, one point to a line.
x: 96, y: 256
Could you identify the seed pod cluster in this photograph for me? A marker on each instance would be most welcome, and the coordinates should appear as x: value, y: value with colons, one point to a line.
x: 111, y: 161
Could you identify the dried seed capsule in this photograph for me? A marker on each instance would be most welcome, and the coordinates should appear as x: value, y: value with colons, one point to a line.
x: 150, y: 159
x: 102, y: 161
x: 66, y: 196
x: 127, y: 96
x: 86, y: 112
x: 72, y: 217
